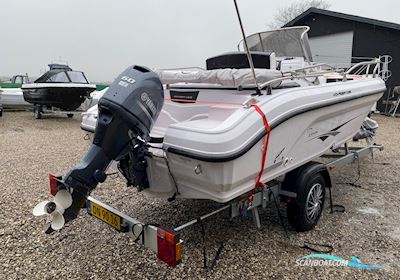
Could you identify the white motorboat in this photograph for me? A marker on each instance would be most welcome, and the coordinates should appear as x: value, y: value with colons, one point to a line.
x: 93, y: 99
x: 212, y: 136
x: 11, y: 95
x: 244, y: 130
x: 13, y: 98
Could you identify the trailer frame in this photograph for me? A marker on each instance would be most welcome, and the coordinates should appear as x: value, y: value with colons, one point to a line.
x: 166, y: 242
x: 40, y: 110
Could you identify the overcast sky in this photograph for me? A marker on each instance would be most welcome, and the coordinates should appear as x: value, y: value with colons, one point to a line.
x: 103, y: 37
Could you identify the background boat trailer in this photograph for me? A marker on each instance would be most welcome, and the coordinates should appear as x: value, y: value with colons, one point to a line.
x: 166, y: 242
x: 40, y: 110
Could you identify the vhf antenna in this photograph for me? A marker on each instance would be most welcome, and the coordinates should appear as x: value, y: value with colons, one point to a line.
x: 250, y: 59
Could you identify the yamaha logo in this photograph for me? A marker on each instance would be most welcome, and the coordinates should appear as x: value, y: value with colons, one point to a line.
x: 144, y: 96
x: 146, y: 100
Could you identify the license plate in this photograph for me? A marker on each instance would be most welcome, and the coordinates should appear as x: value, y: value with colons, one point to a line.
x: 105, y: 215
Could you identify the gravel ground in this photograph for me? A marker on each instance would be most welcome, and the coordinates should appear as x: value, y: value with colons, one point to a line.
x: 89, y: 249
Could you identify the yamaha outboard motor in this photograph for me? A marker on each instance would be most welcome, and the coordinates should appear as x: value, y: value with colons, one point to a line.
x: 127, y: 112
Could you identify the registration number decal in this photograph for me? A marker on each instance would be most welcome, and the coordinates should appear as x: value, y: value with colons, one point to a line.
x: 105, y: 215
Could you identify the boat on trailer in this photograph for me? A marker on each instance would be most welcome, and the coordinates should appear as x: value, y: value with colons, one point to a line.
x: 211, y: 134
x: 247, y: 129
x: 59, y: 88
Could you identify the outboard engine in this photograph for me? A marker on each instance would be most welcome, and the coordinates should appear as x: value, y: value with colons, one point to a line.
x: 127, y: 112
x: 367, y: 131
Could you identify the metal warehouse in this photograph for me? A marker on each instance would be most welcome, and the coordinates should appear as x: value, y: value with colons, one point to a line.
x: 341, y: 39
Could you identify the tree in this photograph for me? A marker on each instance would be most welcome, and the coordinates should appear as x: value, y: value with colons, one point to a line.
x: 286, y: 14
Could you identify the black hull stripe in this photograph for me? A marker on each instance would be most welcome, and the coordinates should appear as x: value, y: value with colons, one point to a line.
x: 262, y: 134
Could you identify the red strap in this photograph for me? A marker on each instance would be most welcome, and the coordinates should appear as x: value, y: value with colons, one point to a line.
x: 265, y: 149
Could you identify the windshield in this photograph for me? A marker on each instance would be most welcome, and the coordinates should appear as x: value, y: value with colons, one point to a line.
x: 77, y: 77
x: 58, y: 78
x: 285, y: 42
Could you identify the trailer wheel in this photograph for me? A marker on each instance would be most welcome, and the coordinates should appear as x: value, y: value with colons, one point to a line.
x: 308, y: 182
x: 70, y: 116
x: 305, y: 210
x: 37, y: 110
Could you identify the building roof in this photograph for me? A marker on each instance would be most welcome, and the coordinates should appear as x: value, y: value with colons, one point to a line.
x: 343, y: 16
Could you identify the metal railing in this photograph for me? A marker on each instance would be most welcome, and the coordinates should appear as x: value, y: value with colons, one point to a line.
x: 380, y: 68
x: 319, y: 65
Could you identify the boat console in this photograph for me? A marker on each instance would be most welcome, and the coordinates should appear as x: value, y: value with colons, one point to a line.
x: 239, y: 60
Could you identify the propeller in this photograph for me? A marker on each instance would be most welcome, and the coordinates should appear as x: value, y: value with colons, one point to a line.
x: 55, y: 208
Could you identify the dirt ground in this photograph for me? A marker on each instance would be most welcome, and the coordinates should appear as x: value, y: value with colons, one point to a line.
x: 89, y: 249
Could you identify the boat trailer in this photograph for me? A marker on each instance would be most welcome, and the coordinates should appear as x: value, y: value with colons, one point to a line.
x: 40, y: 110
x: 166, y: 242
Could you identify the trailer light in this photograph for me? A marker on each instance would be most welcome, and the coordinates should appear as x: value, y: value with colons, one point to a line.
x: 54, y: 183
x: 178, y: 255
x: 169, y: 247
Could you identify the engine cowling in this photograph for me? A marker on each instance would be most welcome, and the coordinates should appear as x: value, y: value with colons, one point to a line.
x: 132, y: 103
x: 127, y: 112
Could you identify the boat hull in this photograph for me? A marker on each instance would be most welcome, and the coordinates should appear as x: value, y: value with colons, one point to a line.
x: 13, y: 98
x: 214, y: 151
x: 66, y: 97
x: 296, y: 138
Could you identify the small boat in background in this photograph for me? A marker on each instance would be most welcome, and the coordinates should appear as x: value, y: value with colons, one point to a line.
x: 60, y: 87
x: 11, y: 96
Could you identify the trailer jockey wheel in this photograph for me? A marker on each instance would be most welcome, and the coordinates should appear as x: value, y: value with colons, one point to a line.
x: 37, y: 110
x: 70, y: 115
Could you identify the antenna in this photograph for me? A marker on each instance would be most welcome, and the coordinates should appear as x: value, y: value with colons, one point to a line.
x: 247, y: 49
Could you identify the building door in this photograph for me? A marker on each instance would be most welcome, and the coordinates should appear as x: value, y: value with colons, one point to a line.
x: 334, y: 49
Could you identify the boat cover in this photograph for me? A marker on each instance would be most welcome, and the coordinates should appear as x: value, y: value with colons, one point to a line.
x: 223, y: 77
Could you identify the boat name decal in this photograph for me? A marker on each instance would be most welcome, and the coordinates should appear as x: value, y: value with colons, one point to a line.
x: 342, y: 93
x: 279, y: 154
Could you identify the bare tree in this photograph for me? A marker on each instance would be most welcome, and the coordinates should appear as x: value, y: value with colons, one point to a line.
x: 286, y: 14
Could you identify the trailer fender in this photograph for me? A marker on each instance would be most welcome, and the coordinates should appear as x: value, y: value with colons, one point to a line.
x: 302, y: 174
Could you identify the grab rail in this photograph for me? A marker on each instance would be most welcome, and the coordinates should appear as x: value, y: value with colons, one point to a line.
x: 380, y: 68
x: 311, y: 67
x: 293, y: 77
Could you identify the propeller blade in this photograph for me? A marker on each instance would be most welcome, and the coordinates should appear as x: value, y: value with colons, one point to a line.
x: 63, y: 198
x: 40, y: 209
x: 58, y: 221
x: 49, y: 230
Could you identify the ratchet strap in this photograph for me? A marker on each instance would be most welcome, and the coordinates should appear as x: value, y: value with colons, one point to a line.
x: 317, y: 247
x: 219, y: 250
x: 265, y: 148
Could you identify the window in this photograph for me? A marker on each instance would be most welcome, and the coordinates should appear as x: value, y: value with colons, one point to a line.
x: 77, y: 77
x: 18, y: 80
x: 59, y: 78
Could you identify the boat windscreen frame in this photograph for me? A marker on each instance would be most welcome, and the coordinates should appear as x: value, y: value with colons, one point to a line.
x: 305, y: 46
x: 51, y: 73
x: 83, y: 75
